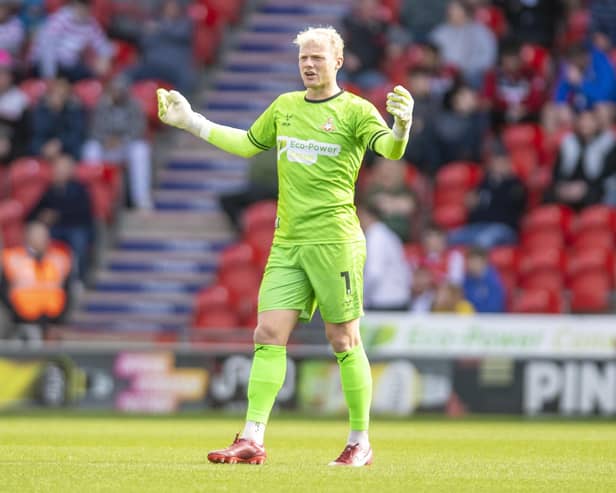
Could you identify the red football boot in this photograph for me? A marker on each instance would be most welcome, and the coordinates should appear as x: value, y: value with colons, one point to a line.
x: 241, y: 451
x: 354, y: 456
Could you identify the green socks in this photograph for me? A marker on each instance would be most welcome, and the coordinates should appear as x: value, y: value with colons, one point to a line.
x: 356, y: 385
x: 269, y: 366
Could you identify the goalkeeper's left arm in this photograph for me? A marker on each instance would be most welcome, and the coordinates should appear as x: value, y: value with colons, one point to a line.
x: 175, y: 110
x: 399, y: 104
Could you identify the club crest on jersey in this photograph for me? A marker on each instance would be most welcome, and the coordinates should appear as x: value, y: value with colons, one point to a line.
x: 328, y: 126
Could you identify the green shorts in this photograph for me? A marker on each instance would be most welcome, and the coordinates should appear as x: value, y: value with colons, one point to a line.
x: 303, y: 277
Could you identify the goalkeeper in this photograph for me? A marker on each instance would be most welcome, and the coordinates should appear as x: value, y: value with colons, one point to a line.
x: 318, y: 252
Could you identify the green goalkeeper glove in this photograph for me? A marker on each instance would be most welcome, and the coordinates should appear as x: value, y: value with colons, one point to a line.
x: 400, y: 104
x: 174, y: 109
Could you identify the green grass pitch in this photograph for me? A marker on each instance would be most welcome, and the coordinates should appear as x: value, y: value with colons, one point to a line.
x: 136, y: 454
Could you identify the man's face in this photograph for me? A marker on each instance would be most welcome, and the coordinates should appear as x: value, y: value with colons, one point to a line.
x: 318, y: 64
x: 37, y: 238
x: 476, y: 265
x: 435, y: 242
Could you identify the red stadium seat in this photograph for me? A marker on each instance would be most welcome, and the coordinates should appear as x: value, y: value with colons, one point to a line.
x: 214, y: 297
x: 449, y: 196
x: 538, y: 239
x: 537, y: 59
x: 206, y: 42
x: 594, y: 239
x: 102, y: 192
x: 450, y: 216
x: 537, y: 300
x: 459, y: 174
x: 125, y: 55
x: 504, y: 258
x: 28, y: 179
x: 11, y: 222
x: 241, y: 281
x: 217, y: 319
x: 493, y: 18
x: 246, y: 309
x: 524, y: 161
x: 522, y: 135
x: 88, y: 91
x: 541, y: 259
x: 548, y: 217
x: 589, y: 260
x: 259, y: 215
x: 145, y: 92
x: 242, y: 253
x: 590, y: 293
x: 552, y: 280
x: 261, y: 240
x: 595, y: 217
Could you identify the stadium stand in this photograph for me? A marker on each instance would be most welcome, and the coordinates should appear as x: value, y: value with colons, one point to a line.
x: 181, y: 265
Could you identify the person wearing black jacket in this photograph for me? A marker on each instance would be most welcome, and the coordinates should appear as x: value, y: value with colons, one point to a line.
x: 495, y: 207
x: 582, y: 163
x: 66, y: 208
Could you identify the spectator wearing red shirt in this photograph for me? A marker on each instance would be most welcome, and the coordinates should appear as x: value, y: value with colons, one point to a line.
x: 512, y: 93
x: 444, y: 264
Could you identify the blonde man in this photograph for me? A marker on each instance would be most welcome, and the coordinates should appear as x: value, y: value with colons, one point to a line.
x: 319, y: 249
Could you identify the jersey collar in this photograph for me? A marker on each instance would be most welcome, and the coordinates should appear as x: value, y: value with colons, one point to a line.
x: 317, y: 101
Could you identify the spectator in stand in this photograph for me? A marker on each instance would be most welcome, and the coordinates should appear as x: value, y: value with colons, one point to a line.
x: 512, y: 93
x: 585, y: 157
x: 443, y: 76
x: 422, y: 290
x: 12, y: 34
x: 420, y: 17
x: 460, y: 128
x: 603, y: 24
x: 35, y: 282
x: 14, y: 133
x: 58, y: 122
x: 32, y: 14
x: 118, y: 135
x: 533, y: 21
x: 468, y: 45
x: 365, y: 37
x: 421, y: 149
x: 65, y: 43
x: 445, y: 265
x: 393, y: 199
x: 482, y: 284
x: 495, y: 207
x: 66, y: 209
x: 449, y: 298
x: 587, y: 78
x: 167, y: 49
x: 386, y: 273
x: 609, y: 183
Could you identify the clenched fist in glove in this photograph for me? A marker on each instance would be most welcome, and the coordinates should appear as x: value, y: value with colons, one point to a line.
x: 400, y: 104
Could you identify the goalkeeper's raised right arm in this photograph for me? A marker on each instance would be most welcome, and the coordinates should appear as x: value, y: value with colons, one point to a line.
x: 175, y: 110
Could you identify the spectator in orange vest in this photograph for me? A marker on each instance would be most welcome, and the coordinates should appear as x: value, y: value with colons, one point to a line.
x: 35, y: 278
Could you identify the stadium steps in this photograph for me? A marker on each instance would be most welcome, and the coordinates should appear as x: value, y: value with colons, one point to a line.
x: 160, y: 258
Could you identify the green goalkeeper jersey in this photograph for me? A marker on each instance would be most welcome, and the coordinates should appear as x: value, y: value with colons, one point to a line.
x: 320, y: 146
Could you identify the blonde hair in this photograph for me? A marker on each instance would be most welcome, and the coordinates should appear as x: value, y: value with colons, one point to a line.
x: 318, y: 33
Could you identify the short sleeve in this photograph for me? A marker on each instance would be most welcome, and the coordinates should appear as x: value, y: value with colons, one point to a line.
x: 370, y: 126
x: 262, y: 133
